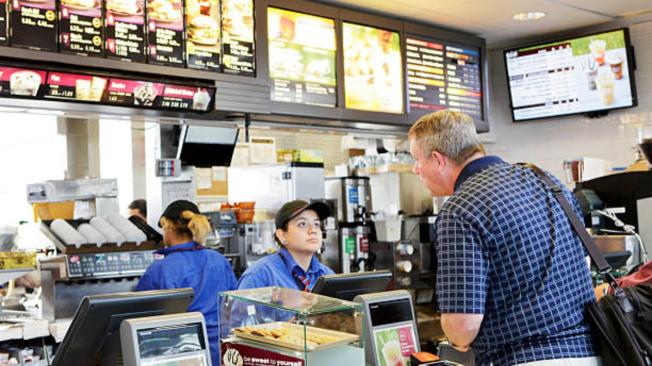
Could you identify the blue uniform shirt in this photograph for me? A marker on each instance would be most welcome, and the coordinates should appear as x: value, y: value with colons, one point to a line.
x: 505, y: 249
x: 206, y: 271
x: 276, y: 270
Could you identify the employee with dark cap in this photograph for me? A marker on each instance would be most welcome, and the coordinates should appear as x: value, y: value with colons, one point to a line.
x: 295, y: 266
x: 188, y: 263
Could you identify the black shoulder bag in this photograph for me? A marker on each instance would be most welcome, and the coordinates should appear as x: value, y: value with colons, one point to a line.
x: 621, y: 323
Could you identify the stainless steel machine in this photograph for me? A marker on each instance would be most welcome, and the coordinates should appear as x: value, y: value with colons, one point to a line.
x: 89, y: 268
x: 347, y: 248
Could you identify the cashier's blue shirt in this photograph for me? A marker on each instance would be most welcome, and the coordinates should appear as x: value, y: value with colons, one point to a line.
x: 205, y: 271
x: 276, y: 270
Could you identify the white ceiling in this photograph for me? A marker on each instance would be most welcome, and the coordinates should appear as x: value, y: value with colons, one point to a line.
x: 492, y: 19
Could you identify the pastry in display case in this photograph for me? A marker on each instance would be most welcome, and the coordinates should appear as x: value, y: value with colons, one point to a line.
x: 273, y: 324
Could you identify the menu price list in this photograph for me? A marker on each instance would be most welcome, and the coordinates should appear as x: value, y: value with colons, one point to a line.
x: 165, y: 32
x: 3, y: 22
x: 444, y: 76
x: 203, y: 46
x: 34, y: 24
x: 125, y: 30
x: 80, y: 25
x: 238, y: 55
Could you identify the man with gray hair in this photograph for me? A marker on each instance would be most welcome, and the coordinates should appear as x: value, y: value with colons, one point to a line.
x: 511, y: 277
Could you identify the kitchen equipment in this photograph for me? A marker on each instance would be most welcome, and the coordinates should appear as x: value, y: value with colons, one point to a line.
x: 353, y: 195
x: 271, y: 186
x: 393, y: 192
x: 91, y: 197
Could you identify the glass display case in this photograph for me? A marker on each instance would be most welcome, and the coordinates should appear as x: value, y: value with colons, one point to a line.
x: 280, y: 326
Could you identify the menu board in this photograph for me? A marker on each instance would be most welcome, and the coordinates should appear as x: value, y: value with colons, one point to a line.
x: 238, y: 47
x: 373, y: 75
x: 443, y: 76
x: 203, y: 31
x: 125, y: 30
x: 34, y: 24
x: 165, y: 32
x: 130, y: 93
x: 3, y: 22
x: 75, y: 87
x: 21, y: 82
x: 80, y: 27
x: 301, y: 58
x: 570, y: 76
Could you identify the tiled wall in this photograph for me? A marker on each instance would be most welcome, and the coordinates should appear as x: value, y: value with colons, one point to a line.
x: 548, y: 142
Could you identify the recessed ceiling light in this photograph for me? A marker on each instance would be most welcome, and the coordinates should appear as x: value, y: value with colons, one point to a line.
x: 530, y: 15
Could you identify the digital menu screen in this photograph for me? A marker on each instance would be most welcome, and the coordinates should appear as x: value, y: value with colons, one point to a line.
x: 80, y: 27
x: 571, y: 76
x: 301, y: 58
x: 203, y: 34
x: 373, y: 77
x: 75, y: 87
x: 34, y: 24
x: 21, y: 82
x: 185, y: 97
x: 165, y: 32
x: 238, y: 37
x: 125, y: 30
x: 443, y: 76
x: 3, y: 22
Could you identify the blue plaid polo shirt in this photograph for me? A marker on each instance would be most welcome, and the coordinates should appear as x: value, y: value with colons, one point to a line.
x: 505, y: 249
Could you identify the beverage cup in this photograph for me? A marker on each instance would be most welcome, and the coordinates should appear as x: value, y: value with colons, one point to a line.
x: 591, y: 73
x: 83, y: 89
x: 605, y: 81
x: 615, y: 62
x: 598, y: 48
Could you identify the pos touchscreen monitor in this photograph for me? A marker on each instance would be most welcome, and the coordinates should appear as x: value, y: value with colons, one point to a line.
x: 94, y: 334
x: 349, y: 285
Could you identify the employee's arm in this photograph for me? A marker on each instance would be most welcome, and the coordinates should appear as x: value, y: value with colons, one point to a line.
x: 461, y: 329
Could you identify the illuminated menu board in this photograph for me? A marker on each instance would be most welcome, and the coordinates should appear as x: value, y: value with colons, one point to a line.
x: 238, y: 55
x: 444, y: 76
x: 301, y: 58
x: 102, y: 90
x: 373, y: 77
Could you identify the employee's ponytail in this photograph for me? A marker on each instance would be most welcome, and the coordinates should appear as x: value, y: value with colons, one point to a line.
x: 198, y: 225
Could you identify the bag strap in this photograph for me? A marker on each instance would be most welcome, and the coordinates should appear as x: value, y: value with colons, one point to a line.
x: 585, y: 238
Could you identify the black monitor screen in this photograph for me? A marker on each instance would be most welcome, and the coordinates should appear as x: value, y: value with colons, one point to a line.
x: 204, y: 146
x: 349, y: 285
x: 94, y: 334
x: 390, y: 312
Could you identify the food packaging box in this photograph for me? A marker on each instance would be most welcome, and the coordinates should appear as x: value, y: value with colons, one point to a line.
x: 125, y: 30
x: 203, y: 34
x: 21, y: 82
x: 33, y: 24
x: 75, y: 87
x: 80, y: 27
x: 165, y: 34
x: 3, y: 22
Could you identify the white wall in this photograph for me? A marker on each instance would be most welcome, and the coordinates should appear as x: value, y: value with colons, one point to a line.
x: 116, y: 160
x: 549, y: 142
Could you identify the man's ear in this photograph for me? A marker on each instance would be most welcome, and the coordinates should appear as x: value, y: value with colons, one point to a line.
x: 439, y: 157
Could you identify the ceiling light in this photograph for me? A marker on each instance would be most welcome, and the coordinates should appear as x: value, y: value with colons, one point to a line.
x: 530, y: 15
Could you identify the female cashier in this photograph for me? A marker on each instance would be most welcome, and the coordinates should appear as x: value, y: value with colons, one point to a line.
x: 295, y: 266
x: 189, y: 264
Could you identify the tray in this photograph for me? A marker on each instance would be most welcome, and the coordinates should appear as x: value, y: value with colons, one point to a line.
x: 295, y: 340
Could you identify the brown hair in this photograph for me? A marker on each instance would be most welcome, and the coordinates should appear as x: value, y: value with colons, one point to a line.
x: 195, y: 226
x: 448, y: 132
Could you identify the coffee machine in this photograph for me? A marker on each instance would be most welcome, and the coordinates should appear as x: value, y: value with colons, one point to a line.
x: 347, y: 248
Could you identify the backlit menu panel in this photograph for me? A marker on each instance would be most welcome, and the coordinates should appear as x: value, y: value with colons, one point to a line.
x: 238, y: 37
x: 302, y: 58
x: 373, y: 75
x: 444, y: 76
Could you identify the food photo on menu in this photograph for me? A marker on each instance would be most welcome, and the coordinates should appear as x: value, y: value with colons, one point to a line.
x: 238, y: 37
x: 165, y: 32
x: 203, y: 34
x: 75, y: 87
x: 20, y: 82
x: 603, y: 80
